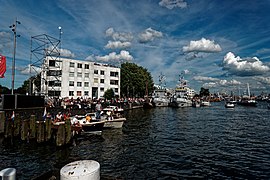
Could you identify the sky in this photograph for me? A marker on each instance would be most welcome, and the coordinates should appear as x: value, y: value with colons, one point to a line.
x: 216, y: 44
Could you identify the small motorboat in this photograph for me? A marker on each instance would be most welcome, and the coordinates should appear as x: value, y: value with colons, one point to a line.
x: 229, y: 105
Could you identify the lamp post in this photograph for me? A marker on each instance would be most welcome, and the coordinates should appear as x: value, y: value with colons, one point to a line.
x: 13, y: 28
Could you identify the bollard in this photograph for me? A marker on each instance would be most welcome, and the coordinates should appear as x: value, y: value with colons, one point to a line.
x: 40, y: 131
x: 81, y: 170
x: 48, y: 129
x: 25, y: 130
x: 32, y: 126
x: 68, y: 130
x: 8, y: 174
x: 60, y: 135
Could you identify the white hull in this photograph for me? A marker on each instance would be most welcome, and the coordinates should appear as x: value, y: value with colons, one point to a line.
x: 205, y: 103
x: 114, y: 123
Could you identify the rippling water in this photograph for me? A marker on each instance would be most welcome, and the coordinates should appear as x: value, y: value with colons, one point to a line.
x: 163, y: 143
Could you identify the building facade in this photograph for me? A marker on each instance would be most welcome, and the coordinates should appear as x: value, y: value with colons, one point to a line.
x: 71, y: 78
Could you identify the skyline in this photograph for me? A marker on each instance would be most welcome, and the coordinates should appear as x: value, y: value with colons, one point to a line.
x: 219, y: 45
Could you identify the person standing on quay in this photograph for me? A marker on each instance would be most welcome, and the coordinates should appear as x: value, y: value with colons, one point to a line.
x: 98, y: 110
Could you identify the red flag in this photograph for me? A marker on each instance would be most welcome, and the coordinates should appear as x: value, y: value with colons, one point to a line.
x: 2, y: 66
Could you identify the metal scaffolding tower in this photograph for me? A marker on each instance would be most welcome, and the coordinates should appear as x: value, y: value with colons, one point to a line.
x: 44, y: 54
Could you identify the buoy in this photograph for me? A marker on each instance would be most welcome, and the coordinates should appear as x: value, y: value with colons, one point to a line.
x: 8, y: 174
x: 81, y: 170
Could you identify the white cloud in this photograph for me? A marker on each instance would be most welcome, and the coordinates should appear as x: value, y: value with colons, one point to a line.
x: 26, y: 70
x: 210, y: 85
x: 66, y: 53
x: 170, y: 4
x: 5, y: 41
x: 203, y: 45
x: 122, y: 56
x: 263, y: 80
x: 117, y: 45
x: 149, y: 35
x: 63, y: 52
x: 119, y: 36
x: 202, y: 78
x: 243, y: 67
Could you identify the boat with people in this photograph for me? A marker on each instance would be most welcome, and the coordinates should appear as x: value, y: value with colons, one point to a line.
x: 86, y: 124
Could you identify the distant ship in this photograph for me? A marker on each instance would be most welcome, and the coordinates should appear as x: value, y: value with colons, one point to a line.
x: 247, y: 100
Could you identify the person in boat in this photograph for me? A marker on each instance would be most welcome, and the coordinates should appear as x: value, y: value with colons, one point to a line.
x: 98, y: 110
x: 88, y: 118
x: 75, y: 121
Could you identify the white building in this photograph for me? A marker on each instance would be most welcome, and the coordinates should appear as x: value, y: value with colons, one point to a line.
x: 75, y: 78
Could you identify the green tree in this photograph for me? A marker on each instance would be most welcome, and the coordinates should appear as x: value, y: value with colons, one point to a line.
x: 109, y: 94
x: 4, y: 90
x: 134, y: 80
x: 204, y: 92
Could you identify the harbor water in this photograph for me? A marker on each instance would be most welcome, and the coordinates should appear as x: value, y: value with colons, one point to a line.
x: 161, y: 143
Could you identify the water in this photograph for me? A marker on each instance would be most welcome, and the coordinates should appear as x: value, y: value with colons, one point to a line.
x: 163, y: 143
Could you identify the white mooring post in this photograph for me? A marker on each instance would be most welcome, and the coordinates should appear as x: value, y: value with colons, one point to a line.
x: 81, y: 170
x: 8, y: 174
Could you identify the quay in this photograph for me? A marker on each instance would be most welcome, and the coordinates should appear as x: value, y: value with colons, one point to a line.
x: 30, y: 125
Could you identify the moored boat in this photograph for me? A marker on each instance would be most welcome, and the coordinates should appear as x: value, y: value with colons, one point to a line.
x: 229, y: 105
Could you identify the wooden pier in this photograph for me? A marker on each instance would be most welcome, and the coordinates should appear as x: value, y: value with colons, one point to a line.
x: 35, y: 129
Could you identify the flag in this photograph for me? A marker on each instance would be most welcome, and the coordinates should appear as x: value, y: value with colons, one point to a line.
x: 44, y: 114
x: 13, y: 116
x: 2, y: 66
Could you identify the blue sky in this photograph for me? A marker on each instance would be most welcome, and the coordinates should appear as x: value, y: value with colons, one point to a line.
x: 217, y: 44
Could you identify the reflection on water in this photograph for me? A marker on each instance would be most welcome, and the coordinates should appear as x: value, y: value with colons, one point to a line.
x: 162, y: 143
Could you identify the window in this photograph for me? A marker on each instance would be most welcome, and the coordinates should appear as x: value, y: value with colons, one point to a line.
x: 101, y: 89
x: 86, y: 66
x: 52, y: 63
x: 114, y: 74
x: 71, y: 83
x: 95, y: 80
x: 79, y: 65
x: 86, y: 84
x: 113, y: 82
x: 79, y: 74
x: 71, y: 93
x: 71, y: 74
x: 72, y: 64
x: 95, y: 71
x: 79, y: 93
x: 116, y: 90
x: 79, y: 84
x: 54, y: 83
x: 54, y: 73
x: 101, y: 80
x: 86, y: 75
x: 102, y: 72
x: 86, y: 93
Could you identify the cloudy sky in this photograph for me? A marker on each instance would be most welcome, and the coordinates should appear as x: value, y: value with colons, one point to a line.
x: 217, y: 44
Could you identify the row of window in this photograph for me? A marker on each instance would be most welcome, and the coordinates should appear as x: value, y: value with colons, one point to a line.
x: 79, y: 84
x: 86, y: 84
x: 52, y: 63
x: 86, y: 93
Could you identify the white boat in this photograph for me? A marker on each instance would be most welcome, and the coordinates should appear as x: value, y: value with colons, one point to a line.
x: 90, y: 127
x: 247, y: 100
x: 180, y: 97
x: 196, y: 104
x: 229, y: 105
x: 205, y: 103
x: 160, y: 96
x: 114, y: 109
